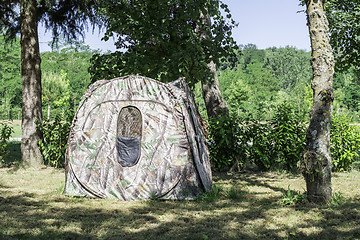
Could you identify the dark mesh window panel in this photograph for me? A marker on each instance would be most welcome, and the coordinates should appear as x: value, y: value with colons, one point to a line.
x: 128, y: 140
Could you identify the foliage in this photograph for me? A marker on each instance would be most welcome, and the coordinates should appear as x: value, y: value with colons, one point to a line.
x: 69, y: 57
x: 290, y: 66
x: 237, y: 94
x: 347, y: 92
x: 71, y: 17
x: 73, y: 59
x: 163, y: 39
x: 337, y: 199
x: 292, y: 197
x: 277, y: 144
x: 224, y: 142
x: 64, y: 17
x: 343, y: 17
x: 345, y: 139
x: 55, y: 89
x: 213, y: 195
x: 10, y: 79
x: 55, y: 136
x: 289, y: 137
x: 263, y: 79
x: 260, y: 151
x: 5, y: 133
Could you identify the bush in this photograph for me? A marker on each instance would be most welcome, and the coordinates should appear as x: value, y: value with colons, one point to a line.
x: 259, y: 147
x: 5, y: 134
x: 224, y: 143
x: 288, y: 136
x: 55, y: 136
x: 345, y: 140
x: 278, y: 144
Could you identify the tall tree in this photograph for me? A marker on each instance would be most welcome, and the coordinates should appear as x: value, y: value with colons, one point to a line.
x: 316, y: 163
x: 69, y: 17
x: 162, y: 40
x: 290, y: 66
x: 31, y: 82
x: 56, y: 89
x: 214, y: 102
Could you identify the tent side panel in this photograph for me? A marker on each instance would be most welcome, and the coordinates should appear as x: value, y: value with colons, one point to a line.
x: 165, y: 168
x: 195, y: 132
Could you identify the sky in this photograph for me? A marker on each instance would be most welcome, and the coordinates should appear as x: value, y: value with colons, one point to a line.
x: 265, y: 23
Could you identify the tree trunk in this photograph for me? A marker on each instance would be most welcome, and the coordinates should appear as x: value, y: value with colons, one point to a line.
x: 31, y: 83
x: 215, y: 104
x: 316, y: 163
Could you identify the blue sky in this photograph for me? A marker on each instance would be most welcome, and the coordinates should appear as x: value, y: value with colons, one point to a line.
x: 269, y: 23
x: 266, y: 23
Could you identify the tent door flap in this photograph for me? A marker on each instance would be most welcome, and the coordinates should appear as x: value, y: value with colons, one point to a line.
x: 128, y: 150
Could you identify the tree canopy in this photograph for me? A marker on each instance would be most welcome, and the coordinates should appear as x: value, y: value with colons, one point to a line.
x: 344, y: 26
x: 67, y: 18
x: 162, y: 39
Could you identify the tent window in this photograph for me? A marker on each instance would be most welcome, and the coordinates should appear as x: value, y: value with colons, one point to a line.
x: 128, y: 140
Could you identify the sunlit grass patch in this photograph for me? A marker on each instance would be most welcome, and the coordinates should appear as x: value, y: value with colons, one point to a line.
x: 241, y: 206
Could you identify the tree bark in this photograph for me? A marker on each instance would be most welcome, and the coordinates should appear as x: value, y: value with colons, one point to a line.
x: 316, y: 162
x: 215, y: 104
x: 31, y: 83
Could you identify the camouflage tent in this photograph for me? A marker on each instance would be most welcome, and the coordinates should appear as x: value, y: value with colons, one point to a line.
x: 135, y: 138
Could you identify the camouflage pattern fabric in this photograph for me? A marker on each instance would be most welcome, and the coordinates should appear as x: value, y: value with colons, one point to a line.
x: 172, y: 160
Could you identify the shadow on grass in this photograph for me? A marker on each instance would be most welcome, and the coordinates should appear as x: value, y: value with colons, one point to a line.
x: 13, y: 159
x: 30, y: 216
x: 260, y: 179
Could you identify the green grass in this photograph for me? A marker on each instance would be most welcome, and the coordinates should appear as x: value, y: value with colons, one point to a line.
x: 243, y: 206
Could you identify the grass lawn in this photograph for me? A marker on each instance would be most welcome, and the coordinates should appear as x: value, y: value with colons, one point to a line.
x: 244, y: 206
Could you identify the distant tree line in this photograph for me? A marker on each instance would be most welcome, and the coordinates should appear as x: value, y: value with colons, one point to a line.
x: 65, y: 78
x: 266, y: 78
x: 262, y: 80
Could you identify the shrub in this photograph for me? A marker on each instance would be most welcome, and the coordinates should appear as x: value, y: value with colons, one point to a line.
x: 260, y: 147
x: 288, y: 136
x: 5, y: 134
x: 278, y: 144
x: 345, y: 140
x: 55, y: 136
x: 224, y: 143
